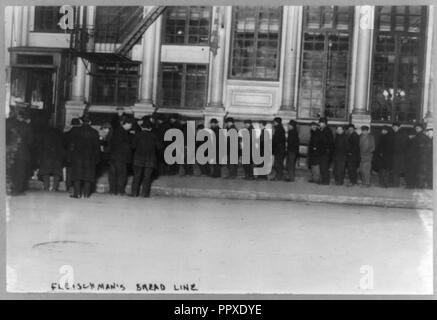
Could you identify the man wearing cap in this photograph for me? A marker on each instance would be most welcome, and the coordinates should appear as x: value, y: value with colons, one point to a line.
x: 326, y: 150
x: 115, y: 121
x: 188, y: 169
x: 146, y: 145
x: 174, y: 123
x: 314, y: 152
x: 162, y: 125
x: 367, y: 147
x: 292, y: 149
x: 399, y: 147
x: 353, y: 154
x: 85, y: 149
x: 75, y: 125
x: 384, y: 156
x: 278, y: 148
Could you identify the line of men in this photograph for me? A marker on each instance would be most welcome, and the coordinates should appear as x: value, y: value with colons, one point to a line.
x: 395, y: 154
x: 136, y: 146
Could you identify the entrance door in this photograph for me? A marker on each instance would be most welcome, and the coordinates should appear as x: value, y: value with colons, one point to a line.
x: 32, y: 88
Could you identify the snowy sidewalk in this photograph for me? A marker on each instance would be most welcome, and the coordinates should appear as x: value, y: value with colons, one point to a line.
x: 301, y: 190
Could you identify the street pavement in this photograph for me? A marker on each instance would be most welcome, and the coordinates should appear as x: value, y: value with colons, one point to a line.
x: 165, y: 244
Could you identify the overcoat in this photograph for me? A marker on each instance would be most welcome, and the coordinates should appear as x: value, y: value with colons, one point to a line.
x: 51, y: 153
x: 146, y: 146
x: 314, y: 148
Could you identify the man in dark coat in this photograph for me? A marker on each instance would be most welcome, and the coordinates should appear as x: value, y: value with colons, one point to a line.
x: 120, y: 156
x: 21, y: 166
x: 278, y: 148
x: 314, y: 152
x: 341, y: 149
x: 399, y: 148
x: 84, y: 146
x: 75, y: 125
x: 326, y: 150
x: 188, y: 169
x: 353, y: 154
x: 51, y: 157
x: 174, y: 123
x: 146, y: 145
x: 292, y: 149
x: 248, y: 167
x: 262, y: 126
x: 162, y: 125
x: 428, y: 158
x: 216, y: 168
x: 384, y: 156
x: 419, y: 143
x: 204, y: 168
x: 232, y: 167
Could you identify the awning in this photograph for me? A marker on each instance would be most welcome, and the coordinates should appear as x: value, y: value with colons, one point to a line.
x: 105, y: 58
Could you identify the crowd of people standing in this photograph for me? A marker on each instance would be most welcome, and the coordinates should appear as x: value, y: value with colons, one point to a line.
x: 129, y: 146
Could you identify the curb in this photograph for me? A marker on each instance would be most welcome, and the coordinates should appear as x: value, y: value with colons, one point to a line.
x: 404, y: 203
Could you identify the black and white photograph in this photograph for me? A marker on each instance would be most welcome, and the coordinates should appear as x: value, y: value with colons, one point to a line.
x: 219, y: 149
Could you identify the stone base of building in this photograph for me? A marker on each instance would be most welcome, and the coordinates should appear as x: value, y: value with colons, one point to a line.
x: 73, y: 109
x: 360, y: 120
x: 287, y: 115
x: 142, y: 109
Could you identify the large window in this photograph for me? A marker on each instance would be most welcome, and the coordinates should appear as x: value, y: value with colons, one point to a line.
x: 398, y: 63
x: 325, y: 63
x: 114, y: 23
x: 187, y: 25
x: 184, y: 85
x: 47, y: 19
x: 255, y: 52
x: 115, y: 84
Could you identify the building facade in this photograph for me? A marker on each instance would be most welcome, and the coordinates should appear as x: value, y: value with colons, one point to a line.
x: 360, y: 64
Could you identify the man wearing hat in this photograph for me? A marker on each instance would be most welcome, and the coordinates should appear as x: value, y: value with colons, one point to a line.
x: 115, y: 121
x: 399, y: 147
x: 367, y: 147
x: 162, y: 125
x: 418, y: 157
x: 326, y: 150
x: 146, y: 146
x: 428, y: 157
x: 384, y: 156
x: 248, y: 167
x: 216, y: 169
x: 340, y: 154
x: 85, y: 149
x: 314, y: 152
x: 174, y: 123
x: 292, y: 149
x: 353, y: 154
x: 75, y: 125
x: 232, y: 167
x: 278, y: 148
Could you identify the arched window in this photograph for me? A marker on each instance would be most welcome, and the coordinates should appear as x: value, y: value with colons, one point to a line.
x: 398, y: 63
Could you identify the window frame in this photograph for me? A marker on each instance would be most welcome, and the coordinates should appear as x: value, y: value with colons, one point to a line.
x: 187, y: 26
x: 37, y: 28
x: 396, y: 35
x: 182, y: 105
x: 326, y: 32
x: 279, y: 48
x: 115, y: 78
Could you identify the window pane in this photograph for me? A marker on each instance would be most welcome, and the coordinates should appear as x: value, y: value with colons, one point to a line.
x: 172, y: 84
x: 187, y: 25
x: 398, y: 65
x: 255, y: 47
x: 47, y: 18
x: 325, y: 62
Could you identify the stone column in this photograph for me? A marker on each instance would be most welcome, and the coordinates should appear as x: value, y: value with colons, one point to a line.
x: 215, y: 108
x: 292, y: 36
x: 90, y: 22
x: 364, y: 21
x: 145, y: 105
x: 75, y: 106
x: 430, y: 68
x: 25, y: 26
